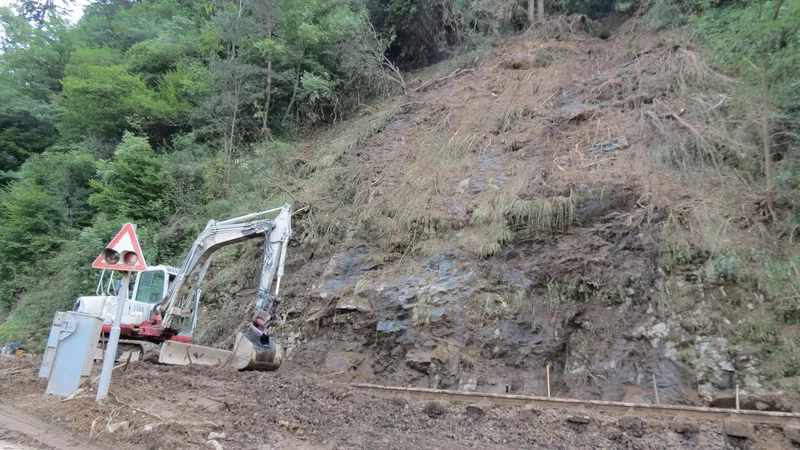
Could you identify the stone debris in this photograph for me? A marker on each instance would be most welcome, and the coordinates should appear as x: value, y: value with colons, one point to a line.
x: 632, y: 424
x: 118, y: 427
x: 434, y: 409
x: 619, y: 143
x: 792, y: 432
x: 217, y: 436
x: 475, y: 411
x: 578, y: 418
x: 738, y: 428
x: 214, y: 445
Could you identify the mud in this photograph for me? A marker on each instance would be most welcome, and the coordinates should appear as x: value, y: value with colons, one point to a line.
x: 177, y: 408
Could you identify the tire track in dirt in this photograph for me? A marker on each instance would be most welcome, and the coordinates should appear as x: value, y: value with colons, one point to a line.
x: 40, y: 432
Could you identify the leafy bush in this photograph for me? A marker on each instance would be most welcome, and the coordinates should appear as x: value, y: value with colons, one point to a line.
x: 135, y: 185
x: 663, y: 15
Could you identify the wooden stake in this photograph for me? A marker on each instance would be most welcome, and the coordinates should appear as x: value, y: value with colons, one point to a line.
x: 128, y: 361
x: 548, y: 381
x: 737, y: 396
x: 655, y: 389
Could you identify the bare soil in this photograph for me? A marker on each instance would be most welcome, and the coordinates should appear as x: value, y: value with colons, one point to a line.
x: 177, y: 408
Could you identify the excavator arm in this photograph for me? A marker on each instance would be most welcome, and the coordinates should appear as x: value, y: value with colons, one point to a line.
x: 255, y: 349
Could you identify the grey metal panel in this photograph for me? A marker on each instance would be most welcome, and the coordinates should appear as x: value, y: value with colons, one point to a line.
x: 70, y: 351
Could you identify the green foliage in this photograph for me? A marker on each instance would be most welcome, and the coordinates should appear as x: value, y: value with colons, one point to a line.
x: 758, y: 33
x: 663, y: 15
x: 106, y: 101
x: 592, y: 8
x: 135, y: 185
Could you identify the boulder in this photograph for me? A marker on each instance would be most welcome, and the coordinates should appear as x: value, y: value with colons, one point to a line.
x: 632, y: 424
x: 738, y: 428
x: 475, y: 411
x: 434, y: 409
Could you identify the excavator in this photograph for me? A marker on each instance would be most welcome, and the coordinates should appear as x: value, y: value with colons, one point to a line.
x: 161, y: 313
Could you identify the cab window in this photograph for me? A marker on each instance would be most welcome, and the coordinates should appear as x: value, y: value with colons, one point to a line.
x: 151, y: 287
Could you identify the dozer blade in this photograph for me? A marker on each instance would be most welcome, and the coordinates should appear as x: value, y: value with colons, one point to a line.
x: 256, y: 351
x: 253, y: 351
x: 182, y: 354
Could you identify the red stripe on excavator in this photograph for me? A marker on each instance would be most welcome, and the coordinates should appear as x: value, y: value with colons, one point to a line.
x: 128, y: 330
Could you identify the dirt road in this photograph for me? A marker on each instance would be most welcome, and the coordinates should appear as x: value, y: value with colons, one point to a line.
x: 21, y: 431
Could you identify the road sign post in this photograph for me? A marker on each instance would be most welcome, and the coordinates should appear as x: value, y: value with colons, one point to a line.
x: 125, y: 255
x: 113, y: 340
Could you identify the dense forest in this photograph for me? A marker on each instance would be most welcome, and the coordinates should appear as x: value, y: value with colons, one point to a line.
x: 168, y: 113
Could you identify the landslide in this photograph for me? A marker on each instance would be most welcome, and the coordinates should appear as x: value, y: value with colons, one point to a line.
x: 555, y: 199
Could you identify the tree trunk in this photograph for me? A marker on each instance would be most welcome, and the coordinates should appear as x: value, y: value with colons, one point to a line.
x: 268, y: 88
x: 540, y: 4
x: 765, y: 135
x: 294, y: 92
x: 268, y: 98
x: 531, y: 12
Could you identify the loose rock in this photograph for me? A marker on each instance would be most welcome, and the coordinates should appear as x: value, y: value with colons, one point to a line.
x: 686, y: 428
x: 294, y: 393
x: 119, y: 427
x: 400, y: 402
x: 738, y: 428
x: 578, y: 418
x: 792, y: 432
x: 434, y: 409
x: 217, y: 436
x: 632, y: 424
x: 529, y: 412
x: 475, y: 411
x: 214, y: 445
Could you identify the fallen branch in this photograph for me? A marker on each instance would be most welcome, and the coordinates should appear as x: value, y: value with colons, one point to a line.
x: 206, y: 423
x: 436, y: 80
x: 598, y: 162
x: 74, y: 395
x: 686, y: 125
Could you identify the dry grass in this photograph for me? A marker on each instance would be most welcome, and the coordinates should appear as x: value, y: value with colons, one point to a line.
x: 511, y: 117
x: 458, y: 147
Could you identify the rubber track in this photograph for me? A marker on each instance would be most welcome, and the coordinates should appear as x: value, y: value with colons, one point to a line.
x: 661, y: 411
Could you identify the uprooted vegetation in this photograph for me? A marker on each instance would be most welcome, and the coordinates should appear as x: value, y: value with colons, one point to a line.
x: 633, y: 187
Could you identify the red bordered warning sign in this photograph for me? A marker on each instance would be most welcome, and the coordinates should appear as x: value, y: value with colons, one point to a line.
x: 123, y: 253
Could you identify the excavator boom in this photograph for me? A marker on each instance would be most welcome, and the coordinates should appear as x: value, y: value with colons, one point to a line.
x: 255, y: 349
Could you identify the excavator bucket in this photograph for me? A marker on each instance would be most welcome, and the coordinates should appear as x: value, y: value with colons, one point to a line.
x: 253, y: 351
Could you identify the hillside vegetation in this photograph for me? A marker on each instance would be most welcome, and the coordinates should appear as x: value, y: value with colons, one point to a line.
x: 643, y: 161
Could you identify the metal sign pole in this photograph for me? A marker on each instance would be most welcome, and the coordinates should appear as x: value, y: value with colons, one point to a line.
x: 113, y: 341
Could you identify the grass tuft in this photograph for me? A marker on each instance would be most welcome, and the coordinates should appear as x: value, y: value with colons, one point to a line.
x: 510, y: 117
x: 543, y: 215
x: 457, y: 147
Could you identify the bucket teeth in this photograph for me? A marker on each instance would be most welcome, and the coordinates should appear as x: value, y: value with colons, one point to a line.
x: 255, y: 350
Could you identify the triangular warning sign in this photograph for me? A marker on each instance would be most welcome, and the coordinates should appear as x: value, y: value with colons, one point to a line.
x: 123, y: 253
